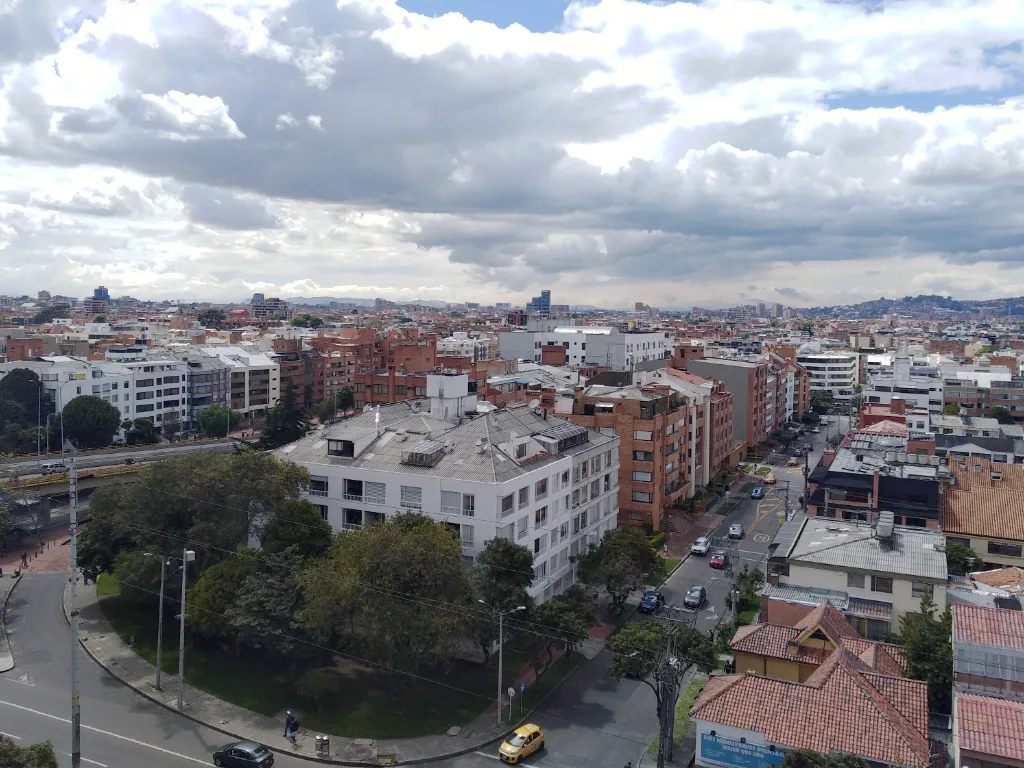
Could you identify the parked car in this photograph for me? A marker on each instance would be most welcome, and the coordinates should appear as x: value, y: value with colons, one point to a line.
x: 523, y: 741
x: 243, y: 754
x: 718, y: 560
x: 736, y: 531
x: 816, y: 431
x: 757, y: 493
x: 793, y: 462
x: 651, y: 602
x: 700, y: 546
x: 770, y: 479
x: 52, y: 468
x: 808, y: 447
x: 798, y: 453
x: 695, y: 597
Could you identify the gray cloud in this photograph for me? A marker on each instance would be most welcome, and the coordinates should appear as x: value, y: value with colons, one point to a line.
x: 221, y: 208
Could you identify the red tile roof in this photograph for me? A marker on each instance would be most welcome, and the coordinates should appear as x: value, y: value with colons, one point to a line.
x: 840, y: 708
x: 1010, y: 578
x: 990, y: 726
x: 988, y: 626
x: 830, y: 619
x: 980, y: 506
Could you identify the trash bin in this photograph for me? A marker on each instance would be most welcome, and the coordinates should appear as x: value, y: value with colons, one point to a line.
x: 323, y: 746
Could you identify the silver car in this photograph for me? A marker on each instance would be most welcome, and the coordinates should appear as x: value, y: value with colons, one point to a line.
x: 735, y: 531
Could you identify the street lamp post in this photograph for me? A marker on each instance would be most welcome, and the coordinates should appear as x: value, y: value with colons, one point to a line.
x: 501, y: 645
x: 164, y: 561
x: 187, y: 557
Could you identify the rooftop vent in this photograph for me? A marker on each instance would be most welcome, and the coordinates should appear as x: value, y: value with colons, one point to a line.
x: 996, y: 475
x: 884, y: 529
x: 425, y: 453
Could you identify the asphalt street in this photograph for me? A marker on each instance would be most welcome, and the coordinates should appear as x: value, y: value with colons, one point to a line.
x: 30, y: 467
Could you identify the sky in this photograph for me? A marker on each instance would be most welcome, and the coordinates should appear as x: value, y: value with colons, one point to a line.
x: 611, y: 151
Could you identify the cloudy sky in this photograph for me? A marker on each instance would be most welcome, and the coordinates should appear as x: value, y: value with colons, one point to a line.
x: 678, y: 153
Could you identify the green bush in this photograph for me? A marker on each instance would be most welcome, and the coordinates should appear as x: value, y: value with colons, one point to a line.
x: 658, y: 540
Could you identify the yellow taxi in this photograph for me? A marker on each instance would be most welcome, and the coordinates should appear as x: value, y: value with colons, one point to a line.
x: 524, y: 741
x: 770, y: 479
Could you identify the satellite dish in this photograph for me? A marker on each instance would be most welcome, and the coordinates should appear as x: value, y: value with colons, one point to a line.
x: 534, y: 403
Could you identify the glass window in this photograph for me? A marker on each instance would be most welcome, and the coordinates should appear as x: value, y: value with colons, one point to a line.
x: 644, y: 477
x: 539, y: 543
x: 522, y: 526
x: 919, y: 590
x: 643, y: 456
x: 412, y: 497
x: 607, y: 431
x: 467, y: 535
x: 524, y: 497
x: 373, y: 493
x: 540, y: 489
x: 641, y: 435
x: 881, y: 584
x: 540, y: 517
x: 468, y: 505
x: 958, y: 540
x: 521, y: 451
x: 451, y: 502
x: 644, y: 498
x: 1007, y: 550
x: 855, y: 580
x: 508, y: 504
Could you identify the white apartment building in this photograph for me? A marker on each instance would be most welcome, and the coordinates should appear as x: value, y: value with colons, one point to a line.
x: 830, y: 371
x: 606, y: 346
x: 255, y: 377
x: 548, y: 484
x: 461, y: 344
x: 919, y: 390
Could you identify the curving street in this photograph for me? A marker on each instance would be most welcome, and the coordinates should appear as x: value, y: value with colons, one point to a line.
x: 29, y: 466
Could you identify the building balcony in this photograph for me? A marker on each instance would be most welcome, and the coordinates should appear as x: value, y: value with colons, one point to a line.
x: 311, y: 492
x: 351, y: 527
x: 352, y: 496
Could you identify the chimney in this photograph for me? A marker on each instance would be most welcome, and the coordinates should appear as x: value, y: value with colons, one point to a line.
x: 874, y: 490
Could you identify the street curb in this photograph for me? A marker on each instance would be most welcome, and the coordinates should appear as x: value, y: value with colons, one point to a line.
x: 4, y: 641
x: 310, y: 758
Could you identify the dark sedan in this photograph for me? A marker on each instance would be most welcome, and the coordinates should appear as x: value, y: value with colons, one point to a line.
x: 243, y: 754
x: 651, y: 602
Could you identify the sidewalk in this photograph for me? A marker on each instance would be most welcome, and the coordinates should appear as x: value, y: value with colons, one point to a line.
x: 107, y: 649
x: 7, y: 585
x: 52, y: 557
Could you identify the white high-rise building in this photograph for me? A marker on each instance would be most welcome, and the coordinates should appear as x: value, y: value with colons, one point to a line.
x: 829, y: 371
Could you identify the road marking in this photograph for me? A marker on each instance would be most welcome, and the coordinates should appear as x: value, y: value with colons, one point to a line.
x: 105, y: 733
x: 487, y: 754
x: 762, y: 537
x: 10, y: 735
x: 87, y: 760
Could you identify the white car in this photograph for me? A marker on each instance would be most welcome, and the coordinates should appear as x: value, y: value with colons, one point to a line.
x: 701, y: 546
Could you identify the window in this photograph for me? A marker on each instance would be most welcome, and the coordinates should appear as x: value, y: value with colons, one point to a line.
x: 576, y: 498
x: 344, y: 448
x: 468, y: 505
x: 522, y: 526
x: 451, y: 502
x: 540, y: 489
x: 540, y: 517
x: 467, y: 535
x: 539, y: 544
x: 575, y: 524
x: 1007, y: 550
x: 644, y: 477
x: 958, y: 540
x: 373, y: 493
x: 400, y: 389
x: 583, y: 519
x: 521, y: 451
x: 565, y: 478
x: 607, y: 431
x: 524, y: 497
x: 412, y: 497
x: 643, y: 456
x: 540, y: 571
x: 607, y: 459
x: 639, y: 435
x: 380, y: 389
x: 595, y: 465
x: 595, y: 489
x: 564, y: 530
x: 855, y: 580
x: 608, y: 482
x: 644, y: 498
x: 881, y: 584
x: 322, y: 508
x: 508, y: 504
x: 919, y: 590
x: 584, y: 473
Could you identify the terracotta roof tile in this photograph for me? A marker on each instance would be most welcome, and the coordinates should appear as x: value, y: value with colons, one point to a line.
x: 980, y: 506
x: 990, y: 726
x: 831, y: 620
x: 1011, y: 578
x: 886, y: 726
x: 988, y: 626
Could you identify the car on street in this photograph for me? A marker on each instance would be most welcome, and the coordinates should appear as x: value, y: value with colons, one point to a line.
x: 816, y: 431
x: 696, y: 596
x: 808, y: 447
x: 243, y: 754
x: 651, y: 602
x: 798, y: 453
x: 793, y: 462
x: 757, y: 493
x: 770, y: 479
x: 522, y: 742
x: 718, y: 560
x: 700, y: 546
x: 736, y: 531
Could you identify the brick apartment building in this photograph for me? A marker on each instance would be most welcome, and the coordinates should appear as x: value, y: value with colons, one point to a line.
x: 975, y: 399
x: 748, y: 383
x: 717, y: 437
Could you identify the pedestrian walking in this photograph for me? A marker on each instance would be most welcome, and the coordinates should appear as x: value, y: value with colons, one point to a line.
x: 85, y: 576
x: 294, y: 734
x: 288, y: 721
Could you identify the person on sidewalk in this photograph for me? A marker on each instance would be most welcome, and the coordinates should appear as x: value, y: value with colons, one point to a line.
x: 288, y: 721
x: 294, y: 734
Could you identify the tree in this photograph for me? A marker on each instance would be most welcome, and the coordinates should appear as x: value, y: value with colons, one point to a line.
x: 623, y: 562
x: 32, y: 756
x: 1000, y: 414
x: 307, y: 321
x: 22, y: 386
x: 100, y: 319
x: 564, y: 622
x: 47, y: 314
x: 212, y: 318
x: 821, y: 401
x: 951, y: 409
x: 346, y: 398
x: 138, y: 577
x: 808, y: 758
x: 142, y: 431
x: 297, y: 523
x: 749, y: 582
x: 88, y: 422
x: 398, y: 591
x: 502, y: 574
x: 286, y: 422
x: 171, y: 425
x: 927, y: 644
x: 960, y: 560
x: 638, y: 649
x: 215, y: 592
x: 218, y: 420
x: 218, y: 499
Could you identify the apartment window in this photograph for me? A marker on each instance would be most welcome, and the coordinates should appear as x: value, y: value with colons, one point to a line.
x: 400, y: 389
x: 521, y: 451
x: 639, y: 435
x: 595, y: 489
x: 855, y: 580
x: 919, y: 589
x: 126, y: 385
x: 412, y: 497
x: 607, y: 431
x: 576, y: 498
x: 143, y: 408
x: 565, y: 478
x: 564, y: 531
x: 1007, y: 550
x: 584, y: 472
x: 373, y: 493
x: 540, y: 489
x: 607, y: 459
x: 595, y: 465
x: 540, y: 517
x: 539, y: 544
x: 467, y: 535
x: 508, y: 504
x: 643, y: 456
x: 380, y: 389
x: 322, y: 508
x: 95, y: 389
x: 344, y: 448
x: 576, y: 474
x: 540, y: 571
x: 881, y: 584
x: 451, y: 502
x: 575, y: 524
x: 642, y: 497
x: 522, y: 526
x: 958, y: 540
x: 643, y: 477
x: 524, y: 497
x: 608, y: 482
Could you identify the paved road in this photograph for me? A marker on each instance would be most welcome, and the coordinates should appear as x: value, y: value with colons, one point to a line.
x: 119, y: 728
x: 29, y: 467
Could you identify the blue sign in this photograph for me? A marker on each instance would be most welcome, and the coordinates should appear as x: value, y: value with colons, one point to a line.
x: 719, y: 750
x: 522, y: 687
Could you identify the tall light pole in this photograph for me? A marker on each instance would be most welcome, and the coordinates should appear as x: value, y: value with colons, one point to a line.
x: 501, y: 645
x: 76, y: 704
x: 164, y: 562
x: 187, y: 557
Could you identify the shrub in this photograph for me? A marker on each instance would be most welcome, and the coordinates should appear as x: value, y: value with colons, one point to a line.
x: 658, y: 540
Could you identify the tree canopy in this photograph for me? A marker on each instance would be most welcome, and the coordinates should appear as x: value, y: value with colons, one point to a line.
x: 807, y: 758
x: 297, y: 523
x: 212, y: 318
x: 306, y: 320
x: 88, y: 421
x: 951, y: 409
x: 218, y: 420
x: 287, y: 421
x: 564, y: 621
x: 960, y: 560
x: 33, y: 756
x: 821, y: 401
x: 623, y: 562
x: 1000, y: 414
x: 927, y: 641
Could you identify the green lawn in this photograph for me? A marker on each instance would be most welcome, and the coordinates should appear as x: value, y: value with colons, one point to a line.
x: 744, y: 467
x: 748, y: 613
x: 763, y: 471
x: 682, y: 718
x: 363, y: 708
x: 671, y: 563
x: 747, y: 488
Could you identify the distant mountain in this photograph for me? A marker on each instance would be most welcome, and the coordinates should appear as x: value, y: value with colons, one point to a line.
x: 324, y: 300
x: 926, y: 303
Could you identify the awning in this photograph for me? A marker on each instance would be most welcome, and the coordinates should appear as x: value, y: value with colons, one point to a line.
x: 872, y: 609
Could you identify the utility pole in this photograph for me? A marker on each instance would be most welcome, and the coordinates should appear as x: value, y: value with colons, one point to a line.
x: 187, y: 556
x: 76, y: 704
x: 668, y: 677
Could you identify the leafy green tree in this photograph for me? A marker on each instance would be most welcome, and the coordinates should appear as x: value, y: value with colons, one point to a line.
x: 218, y: 420
x: 346, y: 398
x: 100, y: 319
x: 218, y: 499
x: 306, y: 321
x: 88, y: 421
x: 32, y: 756
x: 821, y: 401
x: 1000, y: 414
x: 142, y: 431
x: 22, y: 386
x: 286, y: 422
x: 47, y: 314
x: 749, y: 583
x: 138, y: 577
x: 808, y: 758
x: 325, y: 410
x: 927, y: 641
x: 960, y: 560
x: 623, y: 562
x: 5, y: 519
x: 398, y: 591
x: 171, y: 425
x: 565, y: 621
x: 264, y: 613
x: 638, y: 648
x: 297, y: 523
x: 215, y: 592
x: 212, y: 318
x: 501, y: 575
x: 951, y: 409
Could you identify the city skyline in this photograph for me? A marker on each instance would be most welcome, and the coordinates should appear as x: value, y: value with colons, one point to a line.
x: 677, y: 153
